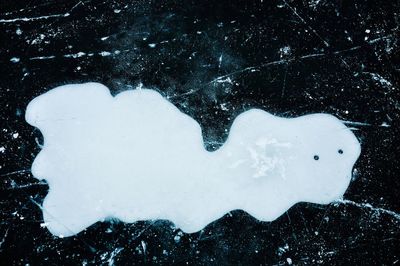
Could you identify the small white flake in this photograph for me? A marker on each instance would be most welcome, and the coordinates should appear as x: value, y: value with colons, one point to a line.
x: 14, y: 59
x: 143, y: 246
x: 43, y: 225
x: 105, y: 53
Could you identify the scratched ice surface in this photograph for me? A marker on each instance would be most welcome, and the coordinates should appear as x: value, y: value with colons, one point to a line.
x: 135, y: 157
x: 213, y: 61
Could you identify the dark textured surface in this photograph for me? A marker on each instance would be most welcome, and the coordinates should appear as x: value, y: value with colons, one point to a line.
x: 213, y: 59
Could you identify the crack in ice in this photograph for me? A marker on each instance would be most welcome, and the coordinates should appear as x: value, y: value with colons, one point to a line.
x: 367, y: 206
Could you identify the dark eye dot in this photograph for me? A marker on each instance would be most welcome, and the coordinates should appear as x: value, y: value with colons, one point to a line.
x: 316, y: 157
x: 340, y: 151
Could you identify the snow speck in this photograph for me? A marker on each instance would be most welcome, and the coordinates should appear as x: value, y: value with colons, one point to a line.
x: 177, y: 237
x: 285, y: 51
x: 104, y: 53
x: 15, y: 59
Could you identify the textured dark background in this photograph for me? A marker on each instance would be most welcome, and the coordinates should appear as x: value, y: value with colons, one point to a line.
x: 214, y: 60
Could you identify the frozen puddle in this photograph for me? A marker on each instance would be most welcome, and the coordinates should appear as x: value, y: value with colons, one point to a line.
x: 135, y: 157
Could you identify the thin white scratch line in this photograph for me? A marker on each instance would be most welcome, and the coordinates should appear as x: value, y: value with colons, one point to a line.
x: 305, y: 23
x: 42, y: 57
x: 282, y: 61
x: 4, y: 238
x: 368, y: 206
x: 17, y: 172
x: 363, y: 124
x: 279, y: 62
x: 40, y: 206
x: 355, y: 123
x: 113, y: 255
x: 33, y: 18
x: 25, y: 19
x: 251, y: 68
x: 28, y: 186
x: 80, y: 54
x: 380, y: 38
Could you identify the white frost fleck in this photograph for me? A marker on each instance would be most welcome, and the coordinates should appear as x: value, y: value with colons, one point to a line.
x: 15, y: 59
x: 104, y: 53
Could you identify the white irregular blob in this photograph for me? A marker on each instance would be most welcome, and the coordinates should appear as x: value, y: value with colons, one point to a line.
x: 135, y: 157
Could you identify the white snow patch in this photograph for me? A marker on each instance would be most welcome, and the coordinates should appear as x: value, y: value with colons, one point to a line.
x: 135, y: 157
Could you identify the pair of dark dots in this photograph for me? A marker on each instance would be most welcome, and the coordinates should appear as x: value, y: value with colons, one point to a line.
x: 316, y: 157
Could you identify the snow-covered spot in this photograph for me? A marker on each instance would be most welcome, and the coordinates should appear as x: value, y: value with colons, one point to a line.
x: 135, y: 157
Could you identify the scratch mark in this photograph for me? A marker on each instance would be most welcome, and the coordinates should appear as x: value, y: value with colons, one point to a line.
x: 305, y: 23
x: 4, y: 238
x: 80, y: 54
x: 283, y: 61
x: 33, y: 18
x: 363, y: 124
x: 368, y: 206
x: 284, y: 80
x: 26, y: 186
x: 113, y: 255
x: 25, y: 19
x: 16, y: 172
x: 91, y: 248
